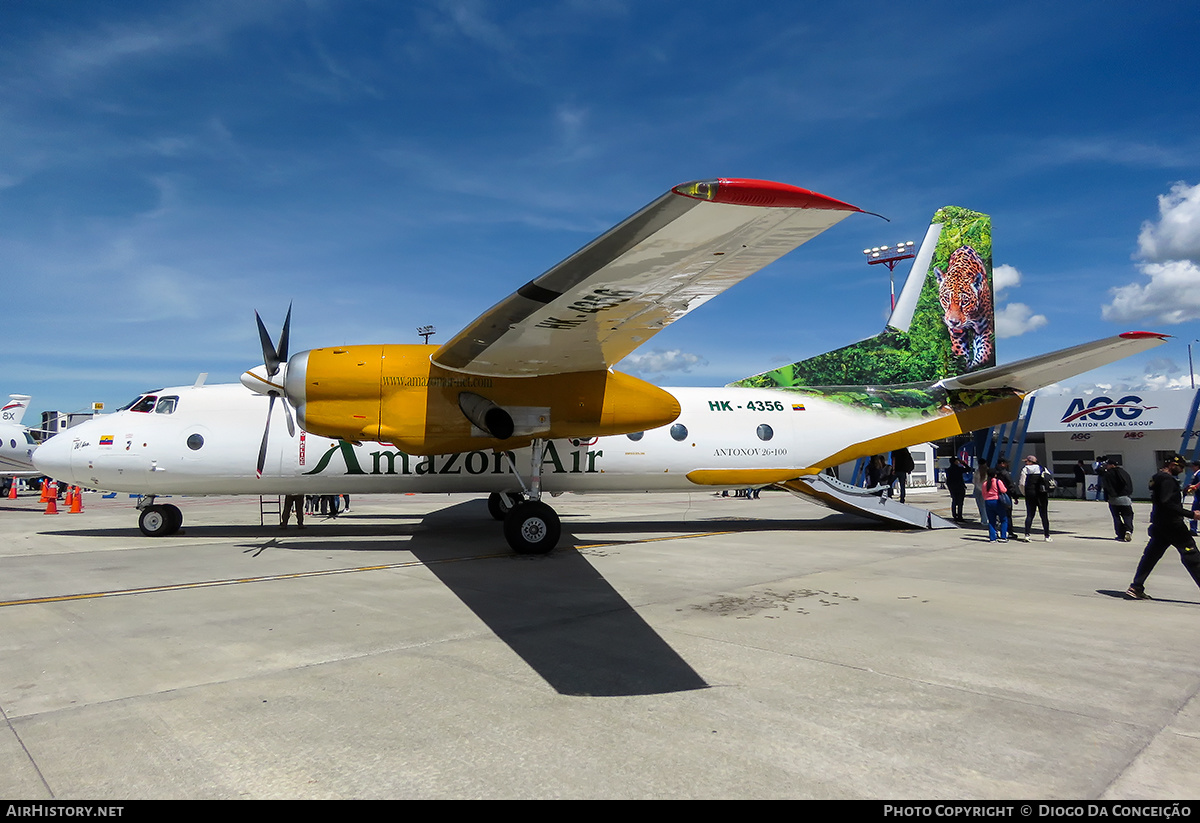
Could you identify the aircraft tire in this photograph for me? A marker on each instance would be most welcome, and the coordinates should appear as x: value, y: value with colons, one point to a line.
x: 175, y: 516
x: 499, y: 505
x: 532, y: 528
x: 155, y: 521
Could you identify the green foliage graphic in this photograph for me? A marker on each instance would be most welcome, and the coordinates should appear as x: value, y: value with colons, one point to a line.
x: 891, y: 372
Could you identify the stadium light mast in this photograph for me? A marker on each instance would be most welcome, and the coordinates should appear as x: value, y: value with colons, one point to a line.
x: 426, y: 332
x: 890, y: 256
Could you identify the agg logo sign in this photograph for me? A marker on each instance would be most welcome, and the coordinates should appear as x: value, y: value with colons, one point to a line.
x: 1104, y: 412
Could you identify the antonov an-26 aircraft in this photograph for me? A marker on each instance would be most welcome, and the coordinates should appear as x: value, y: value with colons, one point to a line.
x: 525, y: 400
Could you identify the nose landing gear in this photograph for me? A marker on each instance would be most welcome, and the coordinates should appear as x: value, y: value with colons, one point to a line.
x: 158, y: 520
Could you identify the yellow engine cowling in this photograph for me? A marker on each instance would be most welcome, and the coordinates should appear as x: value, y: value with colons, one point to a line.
x: 395, y: 394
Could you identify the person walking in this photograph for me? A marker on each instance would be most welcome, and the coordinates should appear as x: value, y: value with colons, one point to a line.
x: 1166, y: 528
x: 956, y: 484
x: 1118, y: 488
x: 1098, y: 468
x: 1013, y: 492
x: 977, y: 480
x: 996, y: 502
x: 902, y: 466
x: 1080, y: 480
x: 1033, y: 481
x: 292, y: 502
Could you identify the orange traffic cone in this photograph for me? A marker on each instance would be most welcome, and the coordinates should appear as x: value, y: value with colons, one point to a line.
x: 45, y: 490
x: 76, y: 500
x: 12, y: 490
x: 51, y: 505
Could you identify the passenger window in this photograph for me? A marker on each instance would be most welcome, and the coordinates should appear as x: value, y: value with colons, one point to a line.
x: 145, y: 405
x: 166, y: 405
x: 679, y: 432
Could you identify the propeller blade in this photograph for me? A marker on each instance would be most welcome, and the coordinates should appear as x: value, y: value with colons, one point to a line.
x: 287, y: 413
x: 282, y: 351
x: 262, y: 450
x: 270, y: 357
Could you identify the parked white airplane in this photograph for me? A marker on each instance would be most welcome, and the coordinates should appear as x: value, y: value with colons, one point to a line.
x: 16, y: 443
x: 524, y: 401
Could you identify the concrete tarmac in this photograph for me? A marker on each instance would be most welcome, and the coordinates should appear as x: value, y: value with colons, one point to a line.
x: 676, y: 646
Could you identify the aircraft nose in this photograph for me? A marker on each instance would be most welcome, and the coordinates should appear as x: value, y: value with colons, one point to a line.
x: 53, y: 458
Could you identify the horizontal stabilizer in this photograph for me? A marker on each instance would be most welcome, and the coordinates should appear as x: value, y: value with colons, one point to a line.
x: 1035, y: 372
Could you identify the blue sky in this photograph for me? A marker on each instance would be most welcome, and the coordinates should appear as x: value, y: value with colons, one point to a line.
x: 168, y: 167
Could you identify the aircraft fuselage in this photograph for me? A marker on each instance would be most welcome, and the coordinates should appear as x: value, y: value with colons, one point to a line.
x: 208, y: 441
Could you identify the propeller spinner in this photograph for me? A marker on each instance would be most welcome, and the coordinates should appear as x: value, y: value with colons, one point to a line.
x: 269, y: 378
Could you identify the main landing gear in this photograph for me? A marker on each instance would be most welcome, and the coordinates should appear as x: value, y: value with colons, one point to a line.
x: 158, y: 520
x: 530, y: 526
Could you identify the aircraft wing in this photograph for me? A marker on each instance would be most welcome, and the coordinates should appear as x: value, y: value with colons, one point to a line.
x: 1036, y: 372
x: 611, y: 296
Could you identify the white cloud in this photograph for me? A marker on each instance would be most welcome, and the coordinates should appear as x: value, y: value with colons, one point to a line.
x: 1171, y: 296
x: 660, y: 360
x: 1176, y: 235
x: 1171, y: 248
x: 1015, y: 319
x: 1005, y: 276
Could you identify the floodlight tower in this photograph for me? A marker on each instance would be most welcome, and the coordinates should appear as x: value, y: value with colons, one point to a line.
x: 426, y: 332
x: 890, y: 256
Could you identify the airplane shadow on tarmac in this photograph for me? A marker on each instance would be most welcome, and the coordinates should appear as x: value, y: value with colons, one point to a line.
x: 556, y: 611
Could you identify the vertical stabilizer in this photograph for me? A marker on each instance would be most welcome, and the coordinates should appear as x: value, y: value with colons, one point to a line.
x: 943, y: 324
x: 14, y: 409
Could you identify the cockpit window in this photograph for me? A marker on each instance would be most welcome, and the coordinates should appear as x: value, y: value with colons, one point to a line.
x: 166, y: 405
x: 140, y: 400
x: 146, y: 404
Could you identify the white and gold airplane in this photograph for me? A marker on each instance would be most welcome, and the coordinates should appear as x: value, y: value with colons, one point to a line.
x: 525, y: 401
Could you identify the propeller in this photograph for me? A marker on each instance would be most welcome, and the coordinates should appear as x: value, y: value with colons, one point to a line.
x: 272, y: 383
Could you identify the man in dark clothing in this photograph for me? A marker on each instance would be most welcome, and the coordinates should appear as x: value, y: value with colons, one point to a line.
x: 956, y: 484
x: 1118, y: 488
x: 1167, y: 528
x: 1080, y: 480
x: 902, y: 466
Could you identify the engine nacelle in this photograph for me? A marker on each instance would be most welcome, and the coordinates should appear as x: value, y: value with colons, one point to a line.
x: 395, y: 394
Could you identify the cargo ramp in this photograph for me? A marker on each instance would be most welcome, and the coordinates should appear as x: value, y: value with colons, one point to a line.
x: 873, y: 503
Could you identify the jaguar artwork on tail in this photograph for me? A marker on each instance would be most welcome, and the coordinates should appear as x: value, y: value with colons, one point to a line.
x: 966, y: 296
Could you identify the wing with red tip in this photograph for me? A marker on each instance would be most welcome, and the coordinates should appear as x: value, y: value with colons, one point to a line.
x: 611, y: 296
